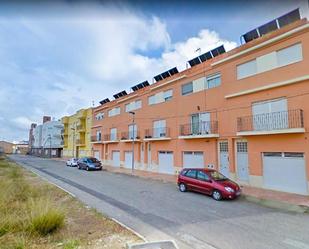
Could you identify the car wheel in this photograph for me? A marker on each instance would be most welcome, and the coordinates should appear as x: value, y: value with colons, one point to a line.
x: 78, y: 166
x: 217, y: 195
x: 87, y: 168
x: 182, y: 187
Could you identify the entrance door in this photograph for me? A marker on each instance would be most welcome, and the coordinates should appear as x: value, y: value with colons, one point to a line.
x: 149, y: 156
x: 166, y: 162
x: 116, y: 158
x: 128, y: 159
x: 224, y: 158
x: 242, y: 160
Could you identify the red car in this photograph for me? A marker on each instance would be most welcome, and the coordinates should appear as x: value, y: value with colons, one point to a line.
x: 209, y: 182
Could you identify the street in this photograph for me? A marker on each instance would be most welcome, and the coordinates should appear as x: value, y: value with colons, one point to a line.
x: 158, y: 210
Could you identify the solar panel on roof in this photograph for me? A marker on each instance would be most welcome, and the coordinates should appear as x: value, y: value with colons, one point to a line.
x: 173, y: 71
x: 288, y: 18
x: 206, y: 56
x: 194, y: 61
x: 221, y: 49
x: 145, y: 83
x: 272, y: 25
x: 158, y: 78
x: 165, y: 74
x: 251, y: 35
x: 268, y: 27
x: 120, y: 94
x: 104, y: 101
x: 214, y: 52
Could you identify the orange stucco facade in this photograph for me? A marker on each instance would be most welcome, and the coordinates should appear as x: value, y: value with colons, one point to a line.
x: 226, y: 104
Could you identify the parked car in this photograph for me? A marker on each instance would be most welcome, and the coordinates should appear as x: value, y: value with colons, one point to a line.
x: 72, y: 162
x: 209, y: 182
x: 89, y: 163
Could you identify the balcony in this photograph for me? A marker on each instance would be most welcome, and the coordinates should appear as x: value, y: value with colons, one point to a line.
x: 157, y: 134
x: 80, y: 128
x: 291, y: 121
x: 128, y: 136
x: 110, y: 138
x: 202, y: 129
x: 96, y: 139
x: 80, y: 142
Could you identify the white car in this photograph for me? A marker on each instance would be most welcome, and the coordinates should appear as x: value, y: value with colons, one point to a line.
x: 72, y: 162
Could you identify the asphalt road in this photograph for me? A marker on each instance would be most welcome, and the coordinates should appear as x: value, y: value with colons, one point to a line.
x: 158, y: 210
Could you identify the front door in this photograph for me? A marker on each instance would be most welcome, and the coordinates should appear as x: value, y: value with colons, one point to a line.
x: 224, y: 158
x: 242, y: 160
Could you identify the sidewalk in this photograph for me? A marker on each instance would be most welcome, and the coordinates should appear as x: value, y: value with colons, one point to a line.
x: 270, y: 198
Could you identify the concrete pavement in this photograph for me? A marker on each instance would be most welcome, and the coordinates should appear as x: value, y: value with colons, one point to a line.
x: 158, y: 210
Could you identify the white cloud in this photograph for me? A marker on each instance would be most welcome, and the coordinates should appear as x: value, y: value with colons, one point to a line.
x: 54, y: 67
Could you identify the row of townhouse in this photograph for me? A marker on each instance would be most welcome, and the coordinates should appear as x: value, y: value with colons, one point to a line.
x: 45, y: 139
x: 244, y: 113
x: 76, y: 134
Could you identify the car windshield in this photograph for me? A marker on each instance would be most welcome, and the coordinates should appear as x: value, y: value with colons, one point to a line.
x: 217, y: 176
x: 92, y: 160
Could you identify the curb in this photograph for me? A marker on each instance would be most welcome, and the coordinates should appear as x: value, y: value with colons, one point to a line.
x: 277, y: 204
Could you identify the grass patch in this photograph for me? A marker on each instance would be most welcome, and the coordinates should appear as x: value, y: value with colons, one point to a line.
x: 35, y: 214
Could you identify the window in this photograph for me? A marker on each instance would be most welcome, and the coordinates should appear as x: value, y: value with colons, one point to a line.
x: 113, y: 112
x: 98, y: 135
x: 217, y: 176
x: 168, y: 95
x: 213, y: 80
x: 187, y: 88
x: 113, y: 134
x: 132, y: 130
x: 191, y: 173
x: 133, y: 106
x: 270, y: 61
x: 152, y: 100
x: 289, y: 55
x: 160, y: 97
x: 159, y: 128
x: 99, y: 116
x: 202, y: 176
x: 246, y: 69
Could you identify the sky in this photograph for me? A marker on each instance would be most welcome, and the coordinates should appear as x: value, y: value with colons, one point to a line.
x: 59, y: 56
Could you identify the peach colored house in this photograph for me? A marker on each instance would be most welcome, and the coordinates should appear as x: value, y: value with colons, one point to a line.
x: 244, y: 113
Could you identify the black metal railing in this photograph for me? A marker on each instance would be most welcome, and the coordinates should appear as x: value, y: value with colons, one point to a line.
x: 129, y: 135
x: 271, y: 121
x: 199, y: 128
x: 97, y: 138
x: 160, y: 132
x: 110, y: 137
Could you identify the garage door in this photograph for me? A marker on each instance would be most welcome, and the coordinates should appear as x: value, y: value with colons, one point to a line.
x: 96, y: 154
x: 285, y: 172
x: 193, y: 159
x: 128, y: 159
x: 116, y: 158
x: 166, y: 162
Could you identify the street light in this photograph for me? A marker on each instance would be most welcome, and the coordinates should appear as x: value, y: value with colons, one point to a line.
x: 133, y: 139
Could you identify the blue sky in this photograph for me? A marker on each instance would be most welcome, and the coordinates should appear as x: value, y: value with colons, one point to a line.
x: 59, y: 56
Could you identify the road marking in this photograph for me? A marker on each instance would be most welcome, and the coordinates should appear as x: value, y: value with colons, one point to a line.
x: 296, y: 243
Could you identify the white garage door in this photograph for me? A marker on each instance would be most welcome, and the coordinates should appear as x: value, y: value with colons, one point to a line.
x: 166, y: 162
x: 128, y: 159
x: 116, y: 158
x: 193, y: 159
x: 285, y: 172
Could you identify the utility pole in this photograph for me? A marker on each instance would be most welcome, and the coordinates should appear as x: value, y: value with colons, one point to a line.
x: 73, y: 129
x: 133, y: 139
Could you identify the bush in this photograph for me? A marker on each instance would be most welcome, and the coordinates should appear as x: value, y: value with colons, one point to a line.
x: 44, y: 218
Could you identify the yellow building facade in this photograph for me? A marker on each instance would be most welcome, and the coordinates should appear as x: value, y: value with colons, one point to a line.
x: 76, y: 134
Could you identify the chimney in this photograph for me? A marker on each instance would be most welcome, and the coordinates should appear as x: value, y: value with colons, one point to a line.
x: 46, y: 119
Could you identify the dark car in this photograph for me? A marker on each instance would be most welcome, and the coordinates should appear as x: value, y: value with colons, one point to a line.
x: 209, y: 182
x: 89, y: 163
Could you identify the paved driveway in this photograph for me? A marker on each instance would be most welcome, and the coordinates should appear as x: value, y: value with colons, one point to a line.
x: 159, y: 211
